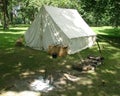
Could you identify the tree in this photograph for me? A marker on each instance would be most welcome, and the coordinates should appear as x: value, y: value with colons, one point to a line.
x: 5, y: 13
x: 101, y: 12
x: 95, y: 12
x: 114, y: 12
x: 96, y: 8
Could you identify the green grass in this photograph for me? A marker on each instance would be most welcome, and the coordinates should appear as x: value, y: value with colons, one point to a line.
x: 107, y: 30
x: 20, y: 63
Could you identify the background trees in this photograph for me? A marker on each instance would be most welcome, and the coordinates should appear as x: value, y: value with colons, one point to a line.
x: 114, y: 12
x: 95, y: 12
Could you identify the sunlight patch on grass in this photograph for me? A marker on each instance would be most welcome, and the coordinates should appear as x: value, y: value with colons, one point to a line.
x: 68, y: 66
x: 41, y: 70
x: 106, y: 46
x: 116, y: 55
x: 79, y: 93
x: 22, y: 93
x: 107, y: 30
x: 18, y: 28
x: 103, y: 93
x: 26, y: 74
x: 71, y: 88
x: 63, y: 63
x: 13, y: 32
x: 109, y: 71
x: 10, y: 50
x: 85, y: 81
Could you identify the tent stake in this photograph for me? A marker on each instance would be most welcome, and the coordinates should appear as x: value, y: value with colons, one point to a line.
x: 99, y: 48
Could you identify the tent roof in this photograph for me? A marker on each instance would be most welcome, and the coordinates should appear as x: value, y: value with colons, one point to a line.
x: 70, y: 22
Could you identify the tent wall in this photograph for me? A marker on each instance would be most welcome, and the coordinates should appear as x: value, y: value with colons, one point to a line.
x: 34, y: 33
x: 78, y: 44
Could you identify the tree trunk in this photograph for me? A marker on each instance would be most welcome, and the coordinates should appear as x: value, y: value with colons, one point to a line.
x: 5, y: 23
x: 5, y: 14
x: 11, y: 17
x: 23, y: 19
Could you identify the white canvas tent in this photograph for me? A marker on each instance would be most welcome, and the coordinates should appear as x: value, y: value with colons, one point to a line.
x: 54, y: 26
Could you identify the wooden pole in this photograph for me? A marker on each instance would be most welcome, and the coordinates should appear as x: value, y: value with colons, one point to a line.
x: 99, y: 48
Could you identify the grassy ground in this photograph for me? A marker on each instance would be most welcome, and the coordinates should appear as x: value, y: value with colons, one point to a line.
x: 21, y: 63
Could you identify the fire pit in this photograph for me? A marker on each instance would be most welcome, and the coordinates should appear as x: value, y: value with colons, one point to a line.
x: 90, y: 63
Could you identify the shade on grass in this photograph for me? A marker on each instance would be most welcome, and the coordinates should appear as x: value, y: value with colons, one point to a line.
x: 22, y: 63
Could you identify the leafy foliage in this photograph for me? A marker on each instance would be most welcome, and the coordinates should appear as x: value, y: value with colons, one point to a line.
x: 95, y: 12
